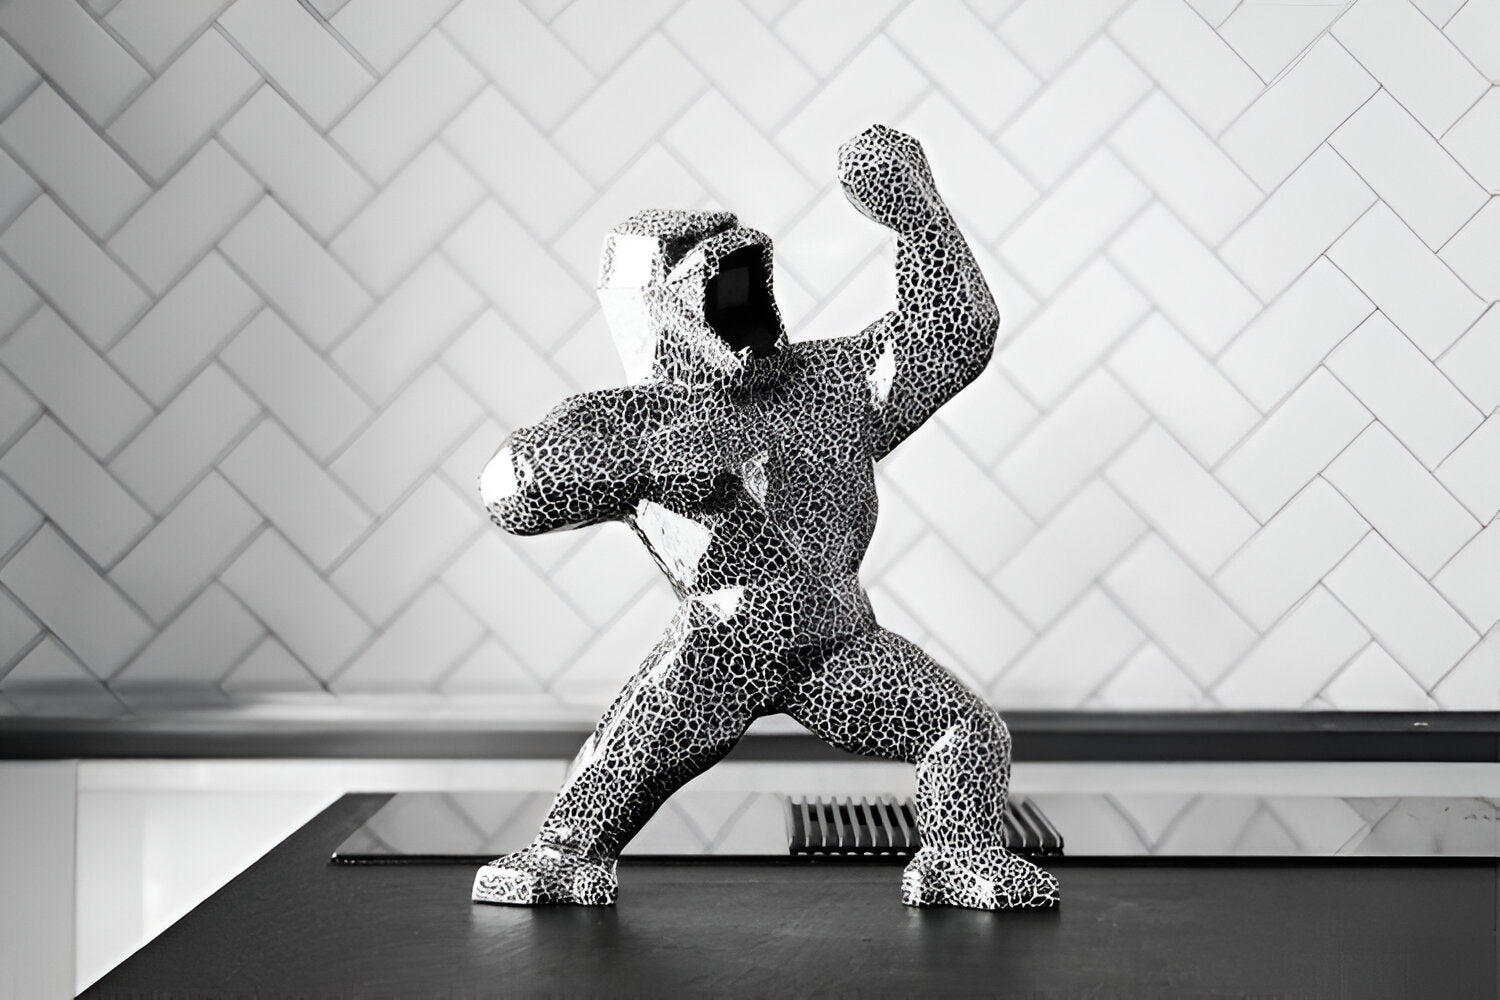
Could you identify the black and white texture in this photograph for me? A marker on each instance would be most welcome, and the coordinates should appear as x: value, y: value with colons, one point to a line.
x: 746, y: 465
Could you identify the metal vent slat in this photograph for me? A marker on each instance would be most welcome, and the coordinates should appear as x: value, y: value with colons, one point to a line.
x: 886, y: 828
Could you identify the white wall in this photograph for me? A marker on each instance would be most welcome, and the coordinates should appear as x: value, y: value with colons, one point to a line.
x: 275, y: 279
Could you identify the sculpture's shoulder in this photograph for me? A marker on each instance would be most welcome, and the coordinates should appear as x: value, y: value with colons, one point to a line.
x: 606, y: 411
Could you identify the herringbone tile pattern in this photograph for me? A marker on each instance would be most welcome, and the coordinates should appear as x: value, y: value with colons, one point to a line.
x: 276, y: 277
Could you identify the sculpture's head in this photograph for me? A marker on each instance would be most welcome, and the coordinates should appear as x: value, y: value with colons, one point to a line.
x: 687, y: 296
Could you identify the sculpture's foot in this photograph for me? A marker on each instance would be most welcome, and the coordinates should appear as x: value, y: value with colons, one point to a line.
x: 539, y: 875
x: 989, y: 878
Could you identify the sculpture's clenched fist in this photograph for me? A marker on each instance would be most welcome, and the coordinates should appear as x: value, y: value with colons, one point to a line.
x: 885, y: 175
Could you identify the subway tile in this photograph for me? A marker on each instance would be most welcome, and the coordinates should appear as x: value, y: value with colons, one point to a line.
x: 294, y: 382
x: 1471, y: 252
x: 1149, y: 681
x: 984, y: 190
x: 18, y: 519
x: 656, y: 178
x: 1475, y: 29
x: 49, y: 680
x: 1472, y: 361
x: 17, y: 190
x: 1408, y: 169
x: 517, y: 162
x: 397, y: 228
x: 1297, y: 113
x: 490, y: 247
x: 415, y: 650
x: 17, y: 407
x: 407, y: 439
x: 404, y: 111
x: 1300, y: 220
x: 627, y: 109
x: 1181, y: 613
x: 1468, y: 579
x: 1068, y: 228
x: 300, y: 55
x: 1472, y: 472
x: 957, y: 497
x: 297, y: 605
x: 521, y: 56
x: 1180, y: 499
x: 1373, y: 682
x: 1406, y: 616
x: 988, y: 415
x: 384, y: 31
x: 270, y: 669
x: 306, y: 174
x: 184, y: 439
x: 603, y: 575
x: 767, y: 80
x: 1069, y: 661
x: 602, y: 32
x: 1069, y: 553
x: 1401, y: 500
x: 1405, y: 280
x: 1286, y: 343
x: 402, y: 334
x: 1411, y: 59
x: 826, y: 34
x: 80, y: 388
x: 1291, y: 663
x: 878, y: 78
x: 1404, y: 391
x: 197, y: 647
x: 185, y: 217
x: 404, y: 551
x: 93, y: 293
x: 1294, y: 444
x: 603, y: 665
x: 465, y: 462
x: 1183, y: 390
x: 64, y: 152
x: 296, y: 274
x: 77, y: 55
x: 826, y: 243
x: 158, y: 31
x: 186, y: 548
x: 1474, y: 140
x: 17, y: 78
x: 182, y: 107
x: 745, y: 168
x: 1470, y: 686
x: 981, y: 74
x: 184, y: 328
x: 498, y: 586
x: 75, y: 493
x: 17, y: 629
x: 295, y: 494
x: 1075, y: 111
x: 66, y: 594
x: 1287, y: 557
x: 1070, y: 444
x: 1269, y: 36
x: 1204, y: 299
x: 1188, y: 60
x: 940, y: 589
x: 1047, y: 35
x: 490, y: 669
x: 1189, y: 172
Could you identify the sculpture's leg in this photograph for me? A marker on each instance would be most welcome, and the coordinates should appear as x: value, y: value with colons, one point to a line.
x: 883, y: 696
x: 682, y: 711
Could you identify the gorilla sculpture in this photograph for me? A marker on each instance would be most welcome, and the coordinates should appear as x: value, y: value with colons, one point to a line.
x: 746, y: 465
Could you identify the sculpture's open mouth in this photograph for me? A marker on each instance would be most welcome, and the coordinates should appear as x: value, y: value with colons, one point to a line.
x: 737, y: 302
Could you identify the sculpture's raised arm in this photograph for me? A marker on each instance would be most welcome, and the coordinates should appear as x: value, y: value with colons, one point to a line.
x: 942, y: 332
x: 578, y: 465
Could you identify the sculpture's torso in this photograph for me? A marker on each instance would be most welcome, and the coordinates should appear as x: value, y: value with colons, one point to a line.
x: 783, y: 505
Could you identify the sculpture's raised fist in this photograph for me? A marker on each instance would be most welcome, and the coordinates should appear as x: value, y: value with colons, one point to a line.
x: 885, y: 175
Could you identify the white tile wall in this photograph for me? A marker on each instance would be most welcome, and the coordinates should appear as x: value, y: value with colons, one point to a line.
x: 275, y: 279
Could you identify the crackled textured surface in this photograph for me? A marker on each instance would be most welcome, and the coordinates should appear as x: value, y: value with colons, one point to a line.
x: 746, y: 465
